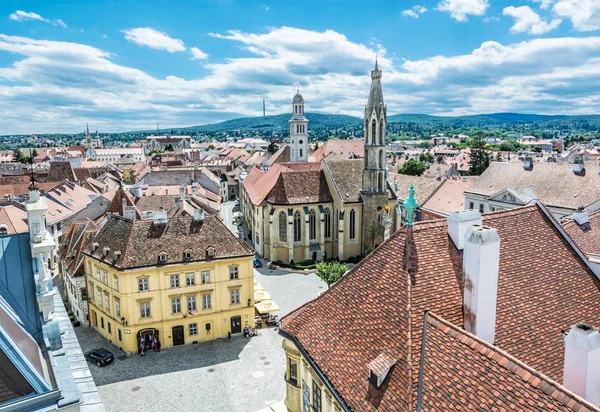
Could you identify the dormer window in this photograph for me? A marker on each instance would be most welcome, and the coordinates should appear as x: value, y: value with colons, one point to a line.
x: 3, y: 230
x: 162, y: 258
x: 187, y: 255
x: 210, y: 253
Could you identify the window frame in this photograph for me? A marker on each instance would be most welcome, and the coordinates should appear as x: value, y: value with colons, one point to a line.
x: 194, y: 305
x: 175, y: 306
x: 193, y: 329
x: 297, y: 226
x: 234, y: 297
x: 206, y: 297
x: 190, y: 279
x: 116, y: 283
x: 234, y: 272
x: 145, y: 310
x: 352, y: 225
x: 312, y: 225
x: 143, y: 285
x: 175, y: 278
x: 282, y: 222
x: 317, y: 405
x: 205, y: 275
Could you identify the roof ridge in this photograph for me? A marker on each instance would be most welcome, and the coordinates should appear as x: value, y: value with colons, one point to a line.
x: 493, y: 349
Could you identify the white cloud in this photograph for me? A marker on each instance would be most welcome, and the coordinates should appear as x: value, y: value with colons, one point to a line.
x: 584, y: 14
x: 59, y: 86
x: 21, y: 15
x: 528, y: 21
x: 197, y: 54
x: 149, y: 37
x: 461, y: 9
x: 544, y: 4
x: 490, y: 19
x: 414, y: 11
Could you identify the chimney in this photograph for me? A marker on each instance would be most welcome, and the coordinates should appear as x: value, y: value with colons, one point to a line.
x: 136, y: 191
x: 124, y: 203
x: 159, y: 218
x: 182, y: 192
x: 177, y: 203
x: 578, y: 166
x: 459, y: 222
x: 582, y: 357
x: 527, y: 163
x: 129, y: 212
x: 438, y: 173
x: 581, y: 216
x: 599, y: 168
x: 198, y: 215
x: 481, y: 260
x: 95, y: 246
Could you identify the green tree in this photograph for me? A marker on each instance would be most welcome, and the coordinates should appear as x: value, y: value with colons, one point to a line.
x: 210, y: 147
x: 272, y: 148
x: 499, y: 157
x: 412, y: 168
x: 34, y: 153
x: 18, y: 155
x: 426, y: 157
x: 331, y: 272
x: 480, y: 158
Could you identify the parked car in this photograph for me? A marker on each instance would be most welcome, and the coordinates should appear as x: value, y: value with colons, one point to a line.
x: 257, y: 263
x: 100, y: 356
x: 237, y: 203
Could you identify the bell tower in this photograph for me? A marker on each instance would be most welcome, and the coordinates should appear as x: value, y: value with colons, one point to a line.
x: 374, y: 192
x: 298, y: 130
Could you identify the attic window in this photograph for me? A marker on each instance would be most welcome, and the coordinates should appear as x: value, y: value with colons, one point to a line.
x: 187, y: 255
x: 3, y: 230
x: 210, y: 252
x: 162, y: 258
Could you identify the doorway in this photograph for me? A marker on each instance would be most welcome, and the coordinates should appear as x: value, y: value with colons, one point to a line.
x: 236, y: 324
x: 178, y: 338
x: 314, y: 256
x: 94, y: 318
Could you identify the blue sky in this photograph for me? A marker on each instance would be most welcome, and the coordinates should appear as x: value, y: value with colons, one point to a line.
x: 124, y: 65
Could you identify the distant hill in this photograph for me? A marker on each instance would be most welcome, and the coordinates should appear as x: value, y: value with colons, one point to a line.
x: 333, y: 121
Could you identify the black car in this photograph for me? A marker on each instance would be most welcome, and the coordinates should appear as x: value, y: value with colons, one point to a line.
x: 100, y: 357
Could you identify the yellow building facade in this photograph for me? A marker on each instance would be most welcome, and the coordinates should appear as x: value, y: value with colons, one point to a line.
x: 180, y: 303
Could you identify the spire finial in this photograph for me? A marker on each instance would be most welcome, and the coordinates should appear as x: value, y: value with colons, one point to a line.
x: 376, y: 65
x: 297, y: 89
x: 410, y: 204
x: 87, y: 129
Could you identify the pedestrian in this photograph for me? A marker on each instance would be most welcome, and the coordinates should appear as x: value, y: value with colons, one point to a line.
x: 142, y: 349
x: 157, y: 345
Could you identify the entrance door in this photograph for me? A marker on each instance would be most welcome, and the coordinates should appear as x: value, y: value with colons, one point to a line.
x: 178, y: 336
x: 94, y: 318
x: 314, y: 256
x: 236, y: 324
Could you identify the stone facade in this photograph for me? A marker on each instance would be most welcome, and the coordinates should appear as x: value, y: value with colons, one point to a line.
x: 298, y: 131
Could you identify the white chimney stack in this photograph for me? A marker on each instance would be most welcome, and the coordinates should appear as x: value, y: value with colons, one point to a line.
x: 459, y: 222
x: 481, y: 261
x: 581, y: 216
x: 578, y: 166
x: 528, y: 163
x: 582, y: 362
x: 438, y: 173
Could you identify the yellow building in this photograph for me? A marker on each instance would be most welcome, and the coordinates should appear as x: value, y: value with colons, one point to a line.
x: 181, y: 280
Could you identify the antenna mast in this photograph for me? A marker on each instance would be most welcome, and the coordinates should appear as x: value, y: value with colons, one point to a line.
x: 264, y: 111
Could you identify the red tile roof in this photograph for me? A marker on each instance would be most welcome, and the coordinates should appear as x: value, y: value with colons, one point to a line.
x: 586, y: 238
x: 544, y: 288
x: 463, y: 372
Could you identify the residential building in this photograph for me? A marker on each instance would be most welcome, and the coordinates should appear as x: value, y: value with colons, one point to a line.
x: 562, y: 187
x: 492, y: 312
x: 114, y: 154
x: 447, y: 198
x: 171, y: 143
x: 183, y: 280
x: 339, y: 149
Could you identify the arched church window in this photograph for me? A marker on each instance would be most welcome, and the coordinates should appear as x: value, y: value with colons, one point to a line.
x: 327, y: 223
x: 282, y: 227
x: 300, y: 152
x: 352, y: 224
x: 297, y: 227
x: 381, y: 133
x: 380, y: 182
x: 312, y: 224
x: 381, y: 159
x: 373, y: 131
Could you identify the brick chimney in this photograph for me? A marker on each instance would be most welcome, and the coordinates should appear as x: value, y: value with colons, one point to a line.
x: 459, y: 222
x: 481, y: 261
x: 582, y: 362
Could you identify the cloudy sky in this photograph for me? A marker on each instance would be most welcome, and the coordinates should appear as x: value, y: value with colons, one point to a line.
x: 128, y: 65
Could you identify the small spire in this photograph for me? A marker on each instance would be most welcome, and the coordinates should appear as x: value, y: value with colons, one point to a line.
x: 410, y: 204
x: 376, y: 65
x: 87, y: 129
x: 297, y: 89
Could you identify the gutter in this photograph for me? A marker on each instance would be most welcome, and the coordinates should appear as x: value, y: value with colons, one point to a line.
x: 313, y: 365
x: 422, y: 364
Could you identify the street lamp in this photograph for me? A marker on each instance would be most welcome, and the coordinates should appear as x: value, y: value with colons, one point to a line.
x: 249, y: 301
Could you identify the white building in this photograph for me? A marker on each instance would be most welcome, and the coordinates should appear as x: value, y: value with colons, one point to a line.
x: 171, y: 143
x: 111, y: 155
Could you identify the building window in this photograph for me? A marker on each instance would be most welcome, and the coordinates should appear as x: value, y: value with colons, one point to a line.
x: 115, y: 283
x: 105, y: 277
x: 109, y: 328
x: 191, y: 303
x: 206, y: 301
x: 327, y: 223
x: 193, y: 329
x: 471, y: 206
x: 481, y: 208
x: 381, y: 159
x: 176, y: 305
x: 300, y: 152
x: 187, y: 255
x: 234, y: 297
x: 119, y: 334
x: 117, y: 309
x: 101, y: 322
x: 174, y: 281
x: 381, y: 133
x: 293, y: 368
x: 99, y: 297
x: 312, y: 225
x: 190, y: 279
x: 373, y: 131
x: 98, y: 274
x: 143, y: 285
x: 297, y: 227
x: 106, y: 303
x: 91, y: 291
x: 89, y: 265
x: 282, y: 227
x: 83, y: 293
x: 380, y: 186
x: 352, y: 224
x: 205, y: 274
x: 58, y: 226
x: 207, y: 327
x: 233, y: 273
x: 145, y: 310
x: 316, y: 397
x: 162, y: 258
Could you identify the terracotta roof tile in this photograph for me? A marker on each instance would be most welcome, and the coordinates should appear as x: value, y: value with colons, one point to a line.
x: 586, y: 238
x: 374, y: 308
x: 293, y: 187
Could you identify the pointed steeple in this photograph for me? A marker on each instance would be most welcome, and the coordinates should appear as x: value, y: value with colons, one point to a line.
x: 410, y: 204
x: 87, y: 129
x: 376, y: 67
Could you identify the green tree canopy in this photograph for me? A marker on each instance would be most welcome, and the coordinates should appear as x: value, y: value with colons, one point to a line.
x: 273, y: 148
x: 331, y: 272
x: 480, y: 157
x: 412, y: 168
x: 426, y: 157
